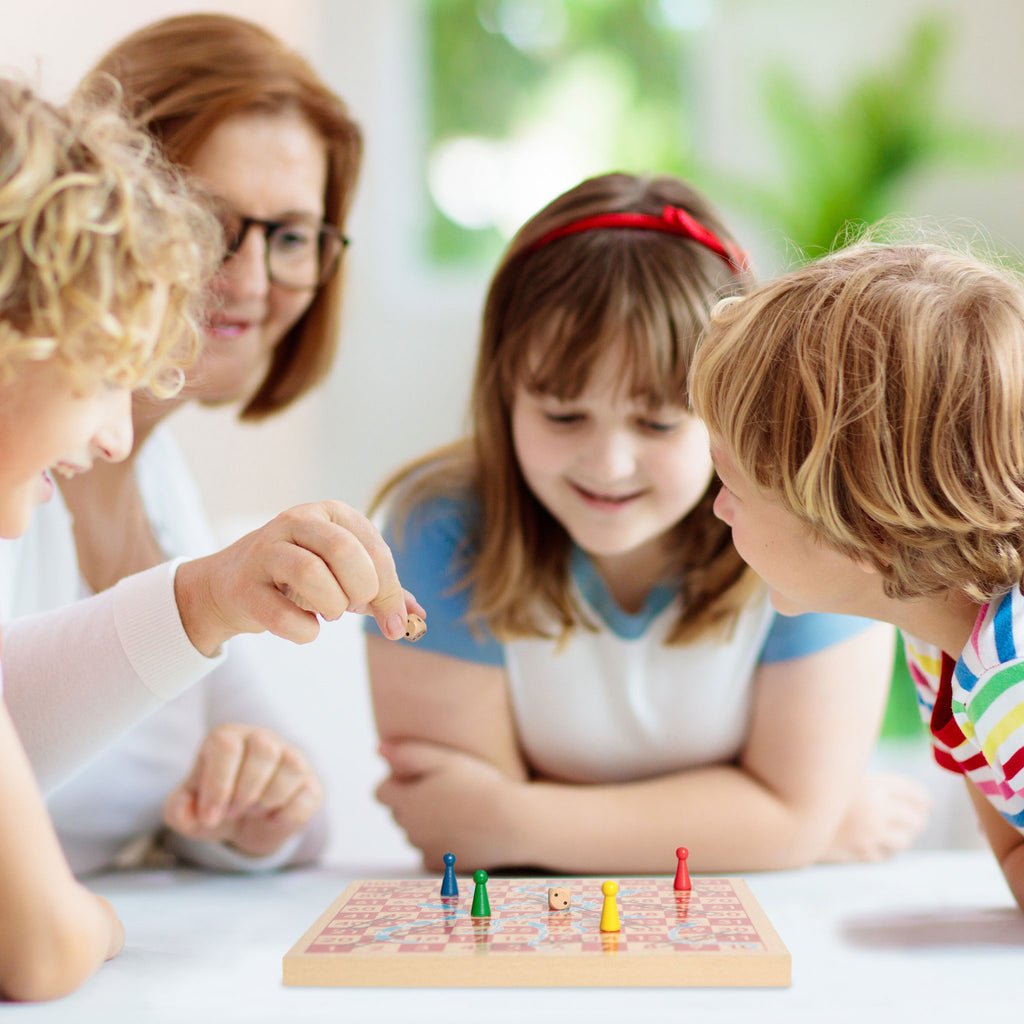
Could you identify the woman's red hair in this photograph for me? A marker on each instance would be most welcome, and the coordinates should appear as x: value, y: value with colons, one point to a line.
x: 181, y: 78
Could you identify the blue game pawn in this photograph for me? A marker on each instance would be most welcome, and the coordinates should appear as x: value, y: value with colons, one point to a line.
x: 481, y: 904
x: 449, y: 886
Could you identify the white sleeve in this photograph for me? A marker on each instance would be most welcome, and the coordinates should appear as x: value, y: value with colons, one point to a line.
x: 220, y: 857
x: 78, y: 677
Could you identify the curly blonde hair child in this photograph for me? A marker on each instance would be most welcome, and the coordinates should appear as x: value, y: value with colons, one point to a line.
x: 93, y: 224
x: 103, y: 257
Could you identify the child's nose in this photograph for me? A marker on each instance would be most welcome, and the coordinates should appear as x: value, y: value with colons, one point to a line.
x: 612, y: 456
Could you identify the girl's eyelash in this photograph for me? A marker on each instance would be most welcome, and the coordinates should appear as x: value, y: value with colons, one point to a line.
x: 654, y: 426
x: 658, y: 426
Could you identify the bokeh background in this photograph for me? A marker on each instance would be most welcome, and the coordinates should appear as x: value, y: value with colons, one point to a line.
x: 799, y: 118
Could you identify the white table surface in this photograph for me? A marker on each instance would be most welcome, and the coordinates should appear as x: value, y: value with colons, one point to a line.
x: 930, y: 936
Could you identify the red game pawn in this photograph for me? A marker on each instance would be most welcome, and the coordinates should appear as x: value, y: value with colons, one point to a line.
x: 682, y: 882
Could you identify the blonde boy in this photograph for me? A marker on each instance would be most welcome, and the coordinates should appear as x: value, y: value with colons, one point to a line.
x: 866, y: 415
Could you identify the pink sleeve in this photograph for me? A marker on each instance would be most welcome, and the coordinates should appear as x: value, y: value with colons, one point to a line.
x: 78, y: 677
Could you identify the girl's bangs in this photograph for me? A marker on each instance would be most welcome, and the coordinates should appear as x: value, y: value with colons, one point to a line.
x: 555, y: 350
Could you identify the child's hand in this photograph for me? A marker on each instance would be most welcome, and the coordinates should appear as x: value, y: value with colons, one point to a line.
x: 886, y: 816
x: 316, y: 560
x: 247, y: 788
x: 448, y: 800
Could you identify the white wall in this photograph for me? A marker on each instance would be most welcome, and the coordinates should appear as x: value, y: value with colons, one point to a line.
x: 829, y: 43
x: 54, y: 42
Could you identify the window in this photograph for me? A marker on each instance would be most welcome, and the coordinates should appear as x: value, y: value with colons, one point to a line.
x: 528, y: 97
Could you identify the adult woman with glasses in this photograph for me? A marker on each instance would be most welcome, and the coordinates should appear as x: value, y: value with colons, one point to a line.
x: 252, y: 125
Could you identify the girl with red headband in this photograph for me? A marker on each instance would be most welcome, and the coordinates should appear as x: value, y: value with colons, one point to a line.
x: 602, y: 678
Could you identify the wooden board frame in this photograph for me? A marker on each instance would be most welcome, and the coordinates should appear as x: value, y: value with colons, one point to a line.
x: 388, y: 933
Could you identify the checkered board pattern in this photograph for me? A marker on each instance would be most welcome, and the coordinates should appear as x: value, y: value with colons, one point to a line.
x: 403, y: 932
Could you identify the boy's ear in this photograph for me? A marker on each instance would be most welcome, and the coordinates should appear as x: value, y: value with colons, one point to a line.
x: 875, y: 564
x: 723, y: 304
x: 875, y: 560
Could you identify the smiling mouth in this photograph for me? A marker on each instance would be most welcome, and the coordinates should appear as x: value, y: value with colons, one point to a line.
x: 228, y: 328
x: 611, y: 500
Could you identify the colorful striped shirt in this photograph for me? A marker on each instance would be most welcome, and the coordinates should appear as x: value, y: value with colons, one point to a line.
x: 974, y: 707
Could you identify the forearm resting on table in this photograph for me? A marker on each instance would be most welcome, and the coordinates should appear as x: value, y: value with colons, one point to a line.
x: 59, y: 943
x: 1013, y: 871
x: 727, y: 820
x: 1006, y: 842
x: 53, y: 932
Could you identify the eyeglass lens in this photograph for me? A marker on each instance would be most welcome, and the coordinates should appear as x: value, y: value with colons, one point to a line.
x: 299, y: 253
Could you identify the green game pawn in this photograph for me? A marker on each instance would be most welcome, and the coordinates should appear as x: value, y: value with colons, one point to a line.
x: 481, y: 905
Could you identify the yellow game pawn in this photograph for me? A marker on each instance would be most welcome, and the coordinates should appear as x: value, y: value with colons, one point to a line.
x: 609, y: 912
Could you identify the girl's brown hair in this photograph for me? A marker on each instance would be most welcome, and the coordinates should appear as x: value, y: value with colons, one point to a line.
x: 879, y: 396
x: 551, y: 313
x: 182, y: 77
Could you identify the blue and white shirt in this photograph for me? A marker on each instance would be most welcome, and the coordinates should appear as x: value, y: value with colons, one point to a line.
x: 617, y: 704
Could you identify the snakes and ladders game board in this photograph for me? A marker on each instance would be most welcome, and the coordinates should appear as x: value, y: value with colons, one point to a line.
x: 403, y: 932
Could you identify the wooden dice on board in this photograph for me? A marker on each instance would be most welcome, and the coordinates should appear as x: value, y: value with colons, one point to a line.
x: 559, y: 898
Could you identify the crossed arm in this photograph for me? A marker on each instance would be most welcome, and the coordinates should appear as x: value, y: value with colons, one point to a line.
x: 795, y: 795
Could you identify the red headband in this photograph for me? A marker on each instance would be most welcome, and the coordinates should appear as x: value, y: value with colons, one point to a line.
x: 673, y: 221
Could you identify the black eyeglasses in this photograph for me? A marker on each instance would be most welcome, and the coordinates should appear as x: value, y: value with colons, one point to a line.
x: 300, y: 252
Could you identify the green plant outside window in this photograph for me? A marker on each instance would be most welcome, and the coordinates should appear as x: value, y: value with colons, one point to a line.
x: 528, y: 97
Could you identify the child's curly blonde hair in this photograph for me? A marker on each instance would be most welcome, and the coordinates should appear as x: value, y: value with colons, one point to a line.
x: 95, y: 230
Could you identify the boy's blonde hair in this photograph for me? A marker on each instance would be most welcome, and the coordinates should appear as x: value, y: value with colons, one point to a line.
x: 97, y: 237
x: 878, y: 394
x: 552, y: 312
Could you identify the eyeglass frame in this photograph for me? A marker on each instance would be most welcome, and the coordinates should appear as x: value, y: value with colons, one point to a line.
x: 269, y: 227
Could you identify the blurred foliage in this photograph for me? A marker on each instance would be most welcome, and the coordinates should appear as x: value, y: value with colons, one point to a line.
x: 485, y: 82
x: 841, y: 161
x: 846, y: 162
